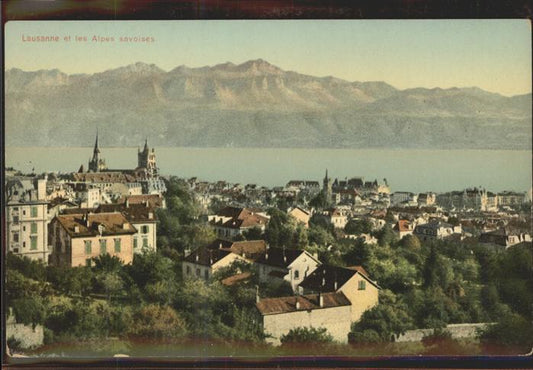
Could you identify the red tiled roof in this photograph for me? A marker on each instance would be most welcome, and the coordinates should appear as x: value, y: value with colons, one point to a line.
x: 273, y: 306
x: 232, y: 280
x: 403, y: 225
x: 84, y: 225
x: 154, y: 200
x: 241, y: 218
x: 136, y: 212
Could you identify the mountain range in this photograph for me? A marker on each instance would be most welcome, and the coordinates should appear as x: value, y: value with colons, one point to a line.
x: 254, y: 104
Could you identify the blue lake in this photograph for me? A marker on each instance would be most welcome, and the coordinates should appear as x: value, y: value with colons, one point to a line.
x: 405, y: 170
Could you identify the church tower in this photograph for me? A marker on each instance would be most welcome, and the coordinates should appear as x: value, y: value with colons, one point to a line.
x: 96, y: 164
x: 327, y: 188
x: 146, y: 159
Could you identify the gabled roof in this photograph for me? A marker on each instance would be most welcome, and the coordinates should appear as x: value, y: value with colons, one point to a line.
x: 249, y: 249
x: 206, y: 257
x: 273, y: 306
x: 154, y: 200
x: 280, y: 257
x: 136, y: 213
x: 91, y: 224
x: 324, y: 277
x: 241, y: 218
x: 403, y: 225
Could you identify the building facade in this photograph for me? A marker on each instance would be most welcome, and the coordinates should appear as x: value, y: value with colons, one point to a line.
x: 26, y: 215
x: 78, y: 238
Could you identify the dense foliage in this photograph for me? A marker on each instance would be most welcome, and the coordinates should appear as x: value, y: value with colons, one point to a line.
x: 424, y: 285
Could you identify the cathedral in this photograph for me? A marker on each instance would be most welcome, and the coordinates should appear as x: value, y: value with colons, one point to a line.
x: 146, y: 163
x: 96, y: 164
x: 146, y: 160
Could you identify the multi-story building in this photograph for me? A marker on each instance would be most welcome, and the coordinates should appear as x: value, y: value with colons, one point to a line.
x: 77, y: 238
x: 232, y: 221
x: 26, y: 214
x: 510, y: 198
x: 143, y: 218
x: 353, y: 281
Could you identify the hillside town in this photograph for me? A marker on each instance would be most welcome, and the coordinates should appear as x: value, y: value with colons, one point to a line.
x: 321, y: 256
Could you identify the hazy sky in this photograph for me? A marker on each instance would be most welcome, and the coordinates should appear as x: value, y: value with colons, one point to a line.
x: 494, y: 55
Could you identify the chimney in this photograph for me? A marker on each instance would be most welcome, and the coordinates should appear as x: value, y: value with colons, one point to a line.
x: 297, y: 303
x: 220, y: 245
x: 150, y: 215
x: 257, y: 298
x: 197, y: 257
x: 126, y: 226
x: 320, y: 300
x: 76, y: 229
x: 266, y: 255
x: 127, y: 202
x: 335, y: 285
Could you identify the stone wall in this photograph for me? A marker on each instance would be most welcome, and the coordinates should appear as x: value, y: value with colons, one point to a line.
x: 456, y: 330
x: 335, y: 319
x: 25, y: 334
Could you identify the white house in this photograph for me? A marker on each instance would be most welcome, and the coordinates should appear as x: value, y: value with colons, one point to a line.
x: 292, y: 265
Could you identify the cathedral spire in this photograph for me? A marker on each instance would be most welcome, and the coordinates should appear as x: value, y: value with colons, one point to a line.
x: 96, y: 150
x: 146, y: 144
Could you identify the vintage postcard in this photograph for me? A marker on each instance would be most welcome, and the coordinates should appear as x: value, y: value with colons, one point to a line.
x: 252, y: 188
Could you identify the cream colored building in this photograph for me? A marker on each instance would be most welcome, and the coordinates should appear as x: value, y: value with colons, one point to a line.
x: 329, y: 310
x: 143, y: 218
x: 300, y: 215
x: 354, y: 282
x: 77, y: 238
x: 204, y: 262
x: 26, y: 215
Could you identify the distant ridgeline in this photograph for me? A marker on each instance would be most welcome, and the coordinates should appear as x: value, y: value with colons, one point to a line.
x: 234, y: 105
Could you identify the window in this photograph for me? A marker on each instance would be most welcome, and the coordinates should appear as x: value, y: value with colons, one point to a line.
x: 33, y: 211
x: 15, y: 250
x: 88, y: 262
x: 24, y: 212
x: 23, y: 228
x: 361, y: 285
x: 34, y: 227
x: 88, y: 247
x: 117, y: 245
x: 296, y: 274
x: 206, y: 274
x: 15, y: 218
x: 197, y: 272
x: 16, y: 237
x: 188, y: 270
x: 145, y: 242
x: 135, y: 243
x: 103, y: 246
x: 144, y: 229
x: 33, y: 245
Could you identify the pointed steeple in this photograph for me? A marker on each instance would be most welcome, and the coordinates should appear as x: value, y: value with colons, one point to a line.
x: 96, y: 150
x: 145, y: 145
